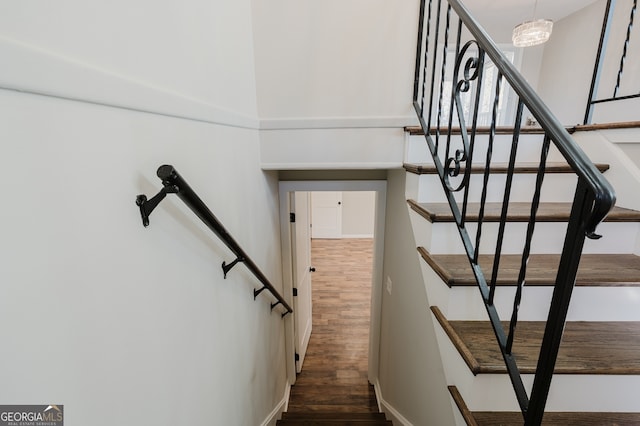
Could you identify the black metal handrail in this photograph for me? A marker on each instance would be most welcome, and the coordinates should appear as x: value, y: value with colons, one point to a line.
x: 607, y: 24
x: 453, y: 157
x: 175, y: 184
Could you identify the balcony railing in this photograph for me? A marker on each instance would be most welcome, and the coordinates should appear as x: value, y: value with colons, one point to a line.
x: 617, y: 92
x: 453, y: 57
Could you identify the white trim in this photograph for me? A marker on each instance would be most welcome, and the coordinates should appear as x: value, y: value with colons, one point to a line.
x: 70, y: 79
x: 332, y: 185
x: 390, y: 412
x: 283, y: 405
x: 378, y: 392
x: 24, y: 68
x: 338, y: 122
x: 331, y: 166
x: 306, y: 336
x: 380, y: 187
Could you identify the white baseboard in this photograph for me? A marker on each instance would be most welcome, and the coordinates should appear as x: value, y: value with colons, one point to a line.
x: 357, y: 236
x: 289, y: 123
x: 276, y: 413
x: 390, y: 412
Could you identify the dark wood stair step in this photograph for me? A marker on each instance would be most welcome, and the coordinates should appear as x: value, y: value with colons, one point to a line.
x: 517, y: 212
x: 596, y: 270
x: 502, y: 168
x: 602, y: 347
x: 321, y: 415
x: 334, y: 422
x: 483, y: 130
x: 508, y: 418
x: 332, y: 418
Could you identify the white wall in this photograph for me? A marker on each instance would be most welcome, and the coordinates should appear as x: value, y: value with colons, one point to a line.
x: 335, y: 58
x: 122, y: 324
x: 358, y: 214
x: 411, y: 377
x: 198, y: 50
x: 340, y: 74
x: 567, y: 67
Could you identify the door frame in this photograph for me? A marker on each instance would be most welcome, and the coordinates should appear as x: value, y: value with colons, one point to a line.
x: 301, y: 334
x: 380, y: 188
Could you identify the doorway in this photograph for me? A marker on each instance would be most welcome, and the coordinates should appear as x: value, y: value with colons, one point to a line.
x: 292, y: 266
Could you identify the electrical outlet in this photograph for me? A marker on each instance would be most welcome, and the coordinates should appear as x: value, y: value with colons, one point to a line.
x: 389, y: 285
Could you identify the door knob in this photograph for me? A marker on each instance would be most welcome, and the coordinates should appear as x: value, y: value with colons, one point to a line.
x: 312, y: 269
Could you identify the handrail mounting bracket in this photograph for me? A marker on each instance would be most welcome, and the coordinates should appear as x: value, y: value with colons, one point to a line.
x: 147, y: 206
x: 226, y: 268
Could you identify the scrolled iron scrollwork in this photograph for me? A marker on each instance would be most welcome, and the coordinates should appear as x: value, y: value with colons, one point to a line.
x: 471, y: 72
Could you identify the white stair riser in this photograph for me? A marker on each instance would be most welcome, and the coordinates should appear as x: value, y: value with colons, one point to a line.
x: 548, y: 237
x: 587, y: 303
x: 557, y: 187
x: 529, y: 148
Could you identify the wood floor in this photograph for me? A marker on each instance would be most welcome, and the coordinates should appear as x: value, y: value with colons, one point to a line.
x: 334, y: 373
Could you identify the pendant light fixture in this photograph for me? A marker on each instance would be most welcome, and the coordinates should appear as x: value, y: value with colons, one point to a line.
x: 533, y: 32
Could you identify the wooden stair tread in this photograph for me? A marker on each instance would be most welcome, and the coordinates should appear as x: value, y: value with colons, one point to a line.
x: 511, y: 418
x: 332, y: 418
x: 601, y: 347
x: 498, y: 418
x: 499, y: 130
x: 523, y: 167
x: 323, y: 415
x: 597, y: 270
x: 334, y: 422
x: 518, y: 212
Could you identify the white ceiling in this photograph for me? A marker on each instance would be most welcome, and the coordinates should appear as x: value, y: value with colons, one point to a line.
x: 500, y: 16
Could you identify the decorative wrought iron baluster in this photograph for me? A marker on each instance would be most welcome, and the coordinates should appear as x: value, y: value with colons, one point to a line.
x: 487, y: 165
x: 527, y: 246
x: 505, y: 201
x: 443, y: 72
x: 419, y: 46
x: 454, y: 79
x: 474, y: 127
x: 453, y: 164
x: 433, y: 71
x: 624, y: 49
x: 426, y: 60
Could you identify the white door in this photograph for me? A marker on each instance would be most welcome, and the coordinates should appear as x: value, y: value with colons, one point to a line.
x: 326, y: 215
x: 301, y: 248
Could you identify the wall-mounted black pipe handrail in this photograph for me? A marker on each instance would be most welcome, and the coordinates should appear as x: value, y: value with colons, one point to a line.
x: 175, y: 184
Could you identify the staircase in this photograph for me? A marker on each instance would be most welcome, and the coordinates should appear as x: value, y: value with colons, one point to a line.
x: 597, y: 374
x: 337, y: 419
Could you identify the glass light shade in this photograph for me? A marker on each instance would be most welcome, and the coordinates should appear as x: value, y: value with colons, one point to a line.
x: 532, y: 33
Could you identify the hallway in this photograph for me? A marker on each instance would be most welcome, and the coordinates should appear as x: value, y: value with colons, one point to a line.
x: 334, y: 374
